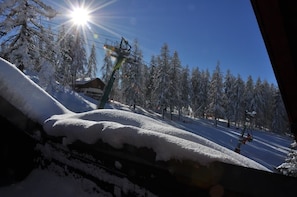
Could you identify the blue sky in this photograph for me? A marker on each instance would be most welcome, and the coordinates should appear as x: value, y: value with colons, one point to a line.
x: 203, y: 32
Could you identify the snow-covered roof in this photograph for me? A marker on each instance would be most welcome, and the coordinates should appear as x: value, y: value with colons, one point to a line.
x: 83, y: 80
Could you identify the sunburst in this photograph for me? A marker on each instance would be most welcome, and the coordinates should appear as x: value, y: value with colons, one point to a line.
x: 80, y: 16
x: 86, y: 17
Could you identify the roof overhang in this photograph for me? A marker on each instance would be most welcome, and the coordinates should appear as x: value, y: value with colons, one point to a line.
x: 277, y: 20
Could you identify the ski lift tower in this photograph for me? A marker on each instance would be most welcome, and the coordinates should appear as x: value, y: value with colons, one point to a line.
x: 121, y: 53
x: 247, y: 126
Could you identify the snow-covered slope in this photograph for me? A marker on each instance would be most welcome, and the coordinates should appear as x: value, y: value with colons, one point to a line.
x: 113, y: 126
x: 27, y: 96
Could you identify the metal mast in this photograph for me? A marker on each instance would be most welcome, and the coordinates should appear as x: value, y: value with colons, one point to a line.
x: 121, y: 53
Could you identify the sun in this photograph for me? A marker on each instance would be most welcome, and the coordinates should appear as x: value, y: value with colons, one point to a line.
x: 86, y: 18
x: 80, y: 16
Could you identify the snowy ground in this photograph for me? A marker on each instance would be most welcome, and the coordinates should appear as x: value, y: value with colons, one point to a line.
x: 266, y: 151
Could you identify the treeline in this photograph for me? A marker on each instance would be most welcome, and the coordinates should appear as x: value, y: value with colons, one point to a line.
x: 163, y: 84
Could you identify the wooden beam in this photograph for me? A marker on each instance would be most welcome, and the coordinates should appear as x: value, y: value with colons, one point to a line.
x: 277, y: 22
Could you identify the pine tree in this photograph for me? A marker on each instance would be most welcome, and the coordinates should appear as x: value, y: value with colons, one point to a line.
x: 174, y: 90
x: 258, y: 103
x: 150, y: 84
x: 279, y: 121
x: 139, y: 74
x: 229, y: 91
x: 163, y: 78
x: 195, y: 83
x: 49, y: 52
x: 21, y: 30
x: 46, y: 62
x: 64, y: 74
x: 238, y: 100
x: 106, y: 68
x: 79, y: 56
x: 267, y: 105
x: 132, y: 81
x: 215, y: 95
x: 92, y: 63
x: 184, y: 91
x: 249, y: 104
x: 203, y: 91
x: 63, y: 58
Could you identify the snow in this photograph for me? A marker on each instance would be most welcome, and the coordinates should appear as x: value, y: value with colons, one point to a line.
x: 34, y: 186
x: 26, y: 95
x: 197, y: 141
x: 167, y: 141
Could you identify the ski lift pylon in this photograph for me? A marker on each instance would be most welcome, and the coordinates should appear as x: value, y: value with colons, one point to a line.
x: 246, y: 128
x: 121, y: 52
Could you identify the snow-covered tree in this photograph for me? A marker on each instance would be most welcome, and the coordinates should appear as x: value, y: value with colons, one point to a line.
x: 49, y: 51
x: 264, y: 93
x: 46, y: 58
x: 289, y: 167
x: 229, y: 95
x: 21, y: 32
x: 279, y: 122
x: 71, y: 57
x: 249, y: 104
x: 174, y: 90
x: 238, y: 100
x: 268, y: 93
x: 92, y: 63
x: 63, y: 67
x: 194, y: 91
x: 215, y: 95
x: 106, y: 68
x: 162, y: 78
x: 203, y: 92
x: 78, y: 55
x: 258, y: 102
x: 149, y: 85
x: 132, y: 77
x: 184, y: 91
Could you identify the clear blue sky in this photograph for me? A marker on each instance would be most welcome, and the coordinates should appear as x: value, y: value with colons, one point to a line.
x: 203, y: 32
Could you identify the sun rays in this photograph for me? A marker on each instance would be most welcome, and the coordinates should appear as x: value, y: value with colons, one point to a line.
x: 80, y: 16
x: 87, y: 18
